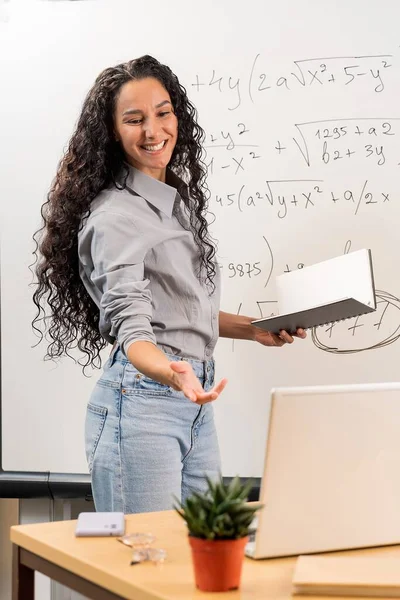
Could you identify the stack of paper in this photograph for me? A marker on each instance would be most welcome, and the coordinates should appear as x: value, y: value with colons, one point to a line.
x: 368, y: 576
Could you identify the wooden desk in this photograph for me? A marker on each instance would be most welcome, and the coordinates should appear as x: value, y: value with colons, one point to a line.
x: 99, y: 568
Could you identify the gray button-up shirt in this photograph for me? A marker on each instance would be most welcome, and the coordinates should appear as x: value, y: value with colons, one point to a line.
x: 139, y: 263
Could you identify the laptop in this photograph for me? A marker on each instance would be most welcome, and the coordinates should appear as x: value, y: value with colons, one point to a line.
x: 331, y: 477
x: 326, y: 292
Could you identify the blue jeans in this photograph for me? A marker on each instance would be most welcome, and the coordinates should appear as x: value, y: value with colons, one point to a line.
x: 145, y: 442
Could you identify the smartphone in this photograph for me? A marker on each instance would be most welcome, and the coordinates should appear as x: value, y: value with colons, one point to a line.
x: 98, y: 524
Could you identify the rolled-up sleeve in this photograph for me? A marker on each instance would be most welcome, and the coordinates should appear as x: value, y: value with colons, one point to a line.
x: 118, y: 249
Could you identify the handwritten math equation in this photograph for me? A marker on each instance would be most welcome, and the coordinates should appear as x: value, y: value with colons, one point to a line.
x: 372, y: 140
x: 291, y: 196
x: 262, y: 79
x: 367, y: 141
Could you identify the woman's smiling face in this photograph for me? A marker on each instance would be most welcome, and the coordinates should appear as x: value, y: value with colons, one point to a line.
x: 146, y: 126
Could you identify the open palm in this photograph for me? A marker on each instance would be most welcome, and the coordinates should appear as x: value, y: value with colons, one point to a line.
x: 186, y: 381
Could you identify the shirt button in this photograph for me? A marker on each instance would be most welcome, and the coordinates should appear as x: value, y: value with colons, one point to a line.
x: 214, y: 317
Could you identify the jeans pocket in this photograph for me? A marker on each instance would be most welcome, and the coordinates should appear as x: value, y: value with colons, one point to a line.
x: 94, y: 425
x: 145, y: 384
x: 136, y: 383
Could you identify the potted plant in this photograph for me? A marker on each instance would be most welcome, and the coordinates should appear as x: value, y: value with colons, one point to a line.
x: 219, y: 523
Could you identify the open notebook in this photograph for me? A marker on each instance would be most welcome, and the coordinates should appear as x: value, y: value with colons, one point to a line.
x: 329, y: 291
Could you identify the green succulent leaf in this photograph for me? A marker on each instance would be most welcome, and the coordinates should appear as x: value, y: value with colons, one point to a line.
x: 221, y: 512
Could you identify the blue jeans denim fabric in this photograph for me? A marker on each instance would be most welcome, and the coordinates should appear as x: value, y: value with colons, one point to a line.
x: 145, y: 442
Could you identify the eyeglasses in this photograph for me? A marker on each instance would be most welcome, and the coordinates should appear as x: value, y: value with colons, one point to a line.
x: 141, y: 548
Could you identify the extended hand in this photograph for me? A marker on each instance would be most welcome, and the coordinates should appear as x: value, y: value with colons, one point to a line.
x: 186, y: 381
x: 266, y: 338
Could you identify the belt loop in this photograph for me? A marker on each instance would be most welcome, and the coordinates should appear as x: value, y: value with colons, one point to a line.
x: 113, y: 352
x: 211, y: 372
x: 207, y: 372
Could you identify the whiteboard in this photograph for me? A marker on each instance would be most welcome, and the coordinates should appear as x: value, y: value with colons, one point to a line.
x: 300, y: 104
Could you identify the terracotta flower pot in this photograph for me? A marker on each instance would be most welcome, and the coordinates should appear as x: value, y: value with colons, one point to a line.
x: 217, y: 564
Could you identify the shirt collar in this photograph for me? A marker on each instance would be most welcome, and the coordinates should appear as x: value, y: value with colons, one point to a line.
x: 161, y: 195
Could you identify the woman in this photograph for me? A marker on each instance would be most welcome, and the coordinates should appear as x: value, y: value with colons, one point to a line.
x: 126, y: 259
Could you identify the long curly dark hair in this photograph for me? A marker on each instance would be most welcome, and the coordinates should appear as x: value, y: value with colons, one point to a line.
x: 66, y: 315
